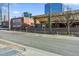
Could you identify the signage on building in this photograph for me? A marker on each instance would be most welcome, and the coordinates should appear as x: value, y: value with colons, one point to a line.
x: 17, y: 23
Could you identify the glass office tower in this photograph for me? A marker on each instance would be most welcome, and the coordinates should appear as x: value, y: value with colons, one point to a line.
x: 53, y: 8
x: 0, y: 14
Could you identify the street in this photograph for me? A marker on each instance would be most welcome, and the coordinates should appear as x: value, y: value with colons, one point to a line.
x: 58, y: 46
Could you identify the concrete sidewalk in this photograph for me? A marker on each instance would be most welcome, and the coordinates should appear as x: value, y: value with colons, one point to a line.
x: 23, y: 50
x: 66, y: 37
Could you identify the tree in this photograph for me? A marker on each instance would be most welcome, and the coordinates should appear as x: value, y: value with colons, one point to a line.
x: 68, y: 15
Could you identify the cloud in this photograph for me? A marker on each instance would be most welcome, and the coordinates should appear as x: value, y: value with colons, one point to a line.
x: 16, y: 12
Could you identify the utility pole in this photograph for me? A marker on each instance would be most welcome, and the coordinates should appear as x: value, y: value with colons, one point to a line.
x: 9, y: 16
x: 49, y: 19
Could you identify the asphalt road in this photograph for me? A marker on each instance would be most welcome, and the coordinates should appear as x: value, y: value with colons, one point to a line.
x: 58, y: 46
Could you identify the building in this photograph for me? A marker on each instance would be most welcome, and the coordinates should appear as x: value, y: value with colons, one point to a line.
x: 3, y: 13
x: 5, y: 24
x: 26, y: 14
x: 20, y: 23
x: 0, y: 14
x: 53, y: 8
x: 59, y: 20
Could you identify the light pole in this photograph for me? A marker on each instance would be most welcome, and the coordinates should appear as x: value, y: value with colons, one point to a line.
x: 9, y: 16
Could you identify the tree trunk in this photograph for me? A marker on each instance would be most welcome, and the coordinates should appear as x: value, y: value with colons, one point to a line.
x: 68, y: 28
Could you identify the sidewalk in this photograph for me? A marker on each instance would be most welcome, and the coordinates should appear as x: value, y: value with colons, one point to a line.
x: 64, y: 37
x: 10, y: 48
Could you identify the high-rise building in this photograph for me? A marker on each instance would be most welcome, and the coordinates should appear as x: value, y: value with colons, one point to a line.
x: 3, y: 12
x: 0, y: 14
x: 53, y: 8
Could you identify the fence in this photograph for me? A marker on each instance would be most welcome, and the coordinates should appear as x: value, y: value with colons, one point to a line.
x: 73, y: 31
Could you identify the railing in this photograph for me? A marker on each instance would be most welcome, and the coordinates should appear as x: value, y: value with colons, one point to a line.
x: 55, y: 30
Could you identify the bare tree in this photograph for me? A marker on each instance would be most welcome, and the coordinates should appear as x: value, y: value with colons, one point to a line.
x: 69, y: 19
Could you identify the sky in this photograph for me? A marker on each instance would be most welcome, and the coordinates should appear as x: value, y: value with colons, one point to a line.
x: 17, y: 9
x: 34, y: 8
